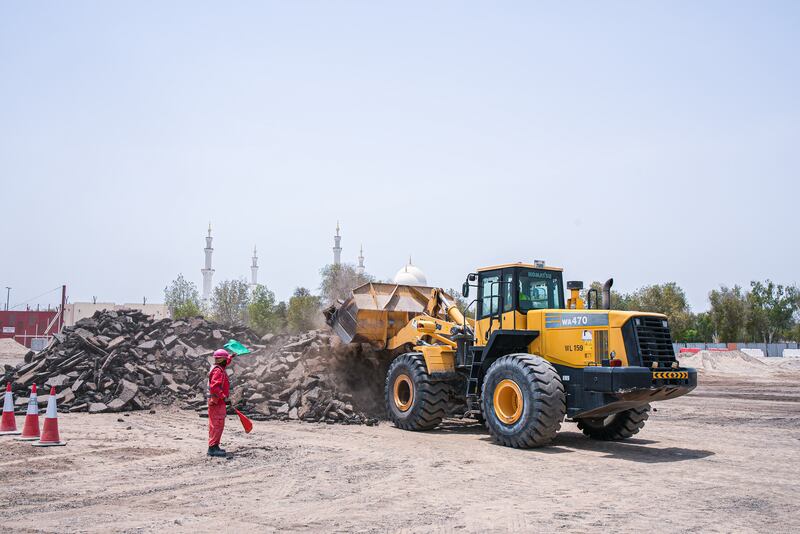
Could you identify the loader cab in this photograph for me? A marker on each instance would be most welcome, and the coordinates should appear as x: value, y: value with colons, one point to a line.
x: 506, y: 293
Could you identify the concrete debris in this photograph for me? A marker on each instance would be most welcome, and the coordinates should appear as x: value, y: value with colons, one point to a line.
x: 309, y: 377
x: 119, y: 360
x: 123, y: 360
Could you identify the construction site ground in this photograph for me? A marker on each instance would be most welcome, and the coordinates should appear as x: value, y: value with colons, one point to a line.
x: 724, y: 459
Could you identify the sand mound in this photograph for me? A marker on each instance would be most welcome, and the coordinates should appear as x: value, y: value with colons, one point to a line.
x: 726, y: 362
x: 11, y: 352
x: 736, y: 362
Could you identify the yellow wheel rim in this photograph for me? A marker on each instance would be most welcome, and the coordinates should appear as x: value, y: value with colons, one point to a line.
x: 508, y: 402
x: 403, y: 392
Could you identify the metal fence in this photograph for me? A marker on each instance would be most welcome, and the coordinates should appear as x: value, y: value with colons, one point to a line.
x: 773, y: 350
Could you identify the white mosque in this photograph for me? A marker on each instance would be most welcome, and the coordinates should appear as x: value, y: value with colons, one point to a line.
x: 410, y: 274
x: 208, y: 271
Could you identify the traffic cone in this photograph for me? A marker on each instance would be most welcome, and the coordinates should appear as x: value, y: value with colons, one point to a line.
x: 30, y: 431
x: 50, y: 429
x: 8, y: 425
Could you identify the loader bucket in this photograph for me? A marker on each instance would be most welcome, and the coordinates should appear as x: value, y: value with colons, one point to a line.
x: 375, y: 312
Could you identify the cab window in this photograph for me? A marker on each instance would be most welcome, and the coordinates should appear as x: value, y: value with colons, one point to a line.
x: 507, y: 288
x: 490, y: 293
x: 539, y: 290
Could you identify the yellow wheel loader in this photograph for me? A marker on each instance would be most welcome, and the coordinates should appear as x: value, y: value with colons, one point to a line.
x: 531, y: 357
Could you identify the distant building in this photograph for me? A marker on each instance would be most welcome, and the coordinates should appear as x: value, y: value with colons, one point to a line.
x: 254, y: 271
x: 337, y: 246
x: 337, y: 251
x: 208, y: 272
x: 411, y: 275
x: 25, y: 326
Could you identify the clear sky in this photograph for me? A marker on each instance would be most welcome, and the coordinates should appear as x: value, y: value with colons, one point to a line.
x: 648, y: 141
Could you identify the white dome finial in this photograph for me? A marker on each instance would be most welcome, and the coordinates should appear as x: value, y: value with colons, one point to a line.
x: 410, y: 275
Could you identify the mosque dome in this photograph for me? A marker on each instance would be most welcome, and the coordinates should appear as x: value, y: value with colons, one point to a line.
x: 411, y: 275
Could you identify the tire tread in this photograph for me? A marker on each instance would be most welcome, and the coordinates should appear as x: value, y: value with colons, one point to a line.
x: 430, y: 398
x: 549, y: 401
x: 623, y: 426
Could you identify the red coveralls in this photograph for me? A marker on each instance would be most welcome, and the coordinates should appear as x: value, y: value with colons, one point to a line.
x: 219, y: 388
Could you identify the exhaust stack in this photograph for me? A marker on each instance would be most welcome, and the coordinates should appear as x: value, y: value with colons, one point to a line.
x: 607, y: 294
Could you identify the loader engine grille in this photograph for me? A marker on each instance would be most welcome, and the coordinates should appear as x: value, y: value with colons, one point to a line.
x: 655, y: 341
x: 650, y: 336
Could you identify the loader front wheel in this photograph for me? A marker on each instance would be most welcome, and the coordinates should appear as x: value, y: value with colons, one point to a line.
x: 413, y: 400
x: 617, y: 426
x: 523, y: 401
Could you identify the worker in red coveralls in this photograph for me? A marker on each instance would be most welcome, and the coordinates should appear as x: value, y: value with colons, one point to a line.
x: 219, y: 389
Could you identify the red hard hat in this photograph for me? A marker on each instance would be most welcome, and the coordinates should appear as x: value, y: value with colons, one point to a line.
x: 222, y: 354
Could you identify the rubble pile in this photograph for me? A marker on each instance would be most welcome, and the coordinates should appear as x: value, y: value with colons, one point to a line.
x: 121, y: 360
x: 310, y: 377
x: 124, y: 360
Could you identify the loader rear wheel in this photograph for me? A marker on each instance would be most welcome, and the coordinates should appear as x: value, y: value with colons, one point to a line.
x: 413, y: 400
x: 617, y: 426
x: 523, y: 401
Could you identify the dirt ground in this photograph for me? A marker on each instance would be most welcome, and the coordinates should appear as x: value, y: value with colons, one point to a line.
x: 724, y: 459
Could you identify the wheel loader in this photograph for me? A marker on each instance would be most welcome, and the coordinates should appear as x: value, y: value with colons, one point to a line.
x: 529, y: 359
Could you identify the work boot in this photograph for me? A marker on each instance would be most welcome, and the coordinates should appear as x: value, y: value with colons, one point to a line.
x: 216, y: 451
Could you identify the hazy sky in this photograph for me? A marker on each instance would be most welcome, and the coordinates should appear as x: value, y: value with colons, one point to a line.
x: 648, y: 141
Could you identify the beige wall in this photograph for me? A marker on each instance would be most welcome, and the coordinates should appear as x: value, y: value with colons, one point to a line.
x: 79, y: 310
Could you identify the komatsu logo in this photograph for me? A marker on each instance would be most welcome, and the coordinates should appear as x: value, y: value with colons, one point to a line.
x: 575, y: 320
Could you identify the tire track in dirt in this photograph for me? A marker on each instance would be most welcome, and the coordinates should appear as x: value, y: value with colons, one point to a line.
x: 697, y: 465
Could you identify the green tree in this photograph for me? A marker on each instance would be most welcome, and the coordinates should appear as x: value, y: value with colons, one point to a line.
x: 728, y: 313
x: 182, y: 298
x: 303, y: 312
x: 669, y: 299
x: 794, y: 333
x: 282, y: 315
x: 339, y: 280
x: 262, y: 311
x: 704, y: 327
x: 229, y: 302
x: 460, y: 302
x: 700, y: 330
x: 771, y: 308
x: 618, y: 300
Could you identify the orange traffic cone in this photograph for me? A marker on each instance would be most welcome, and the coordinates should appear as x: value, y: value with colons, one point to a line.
x: 8, y: 425
x: 30, y: 431
x: 50, y: 429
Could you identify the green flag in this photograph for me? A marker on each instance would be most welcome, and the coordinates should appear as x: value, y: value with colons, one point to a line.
x: 236, y: 347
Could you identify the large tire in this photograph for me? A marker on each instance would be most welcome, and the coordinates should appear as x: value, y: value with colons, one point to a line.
x: 413, y: 400
x: 523, y: 401
x: 617, y: 426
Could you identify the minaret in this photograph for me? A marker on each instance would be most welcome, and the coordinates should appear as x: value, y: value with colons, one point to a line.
x: 360, y: 269
x: 254, y: 270
x: 208, y: 272
x: 337, y: 248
